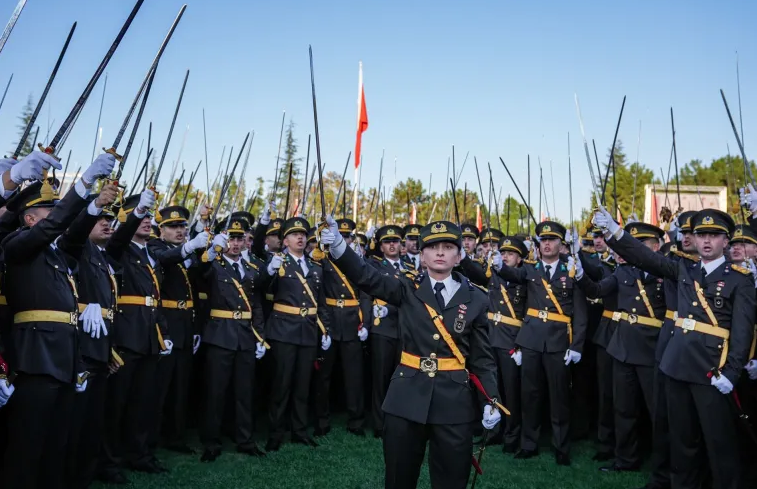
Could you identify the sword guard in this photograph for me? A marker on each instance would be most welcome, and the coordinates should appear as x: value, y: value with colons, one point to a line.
x: 112, y: 151
x: 48, y: 150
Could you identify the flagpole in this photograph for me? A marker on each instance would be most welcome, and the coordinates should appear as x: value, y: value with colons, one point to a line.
x: 358, y: 156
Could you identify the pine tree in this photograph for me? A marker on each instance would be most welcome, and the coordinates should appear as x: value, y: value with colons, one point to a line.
x: 288, y: 160
x: 24, y: 118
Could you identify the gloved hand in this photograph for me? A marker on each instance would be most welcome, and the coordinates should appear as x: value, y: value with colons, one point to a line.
x: 497, y: 260
x: 81, y: 387
x: 575, y: 244
x: 197, y: 243
x: 722, y: 383
x: 380, y: 311
x: 362, y: 333
x: 330, y: 236
x: 6, y: 164
x: 517, y: 357
x: 747, y: 197
x: 634, y: 218
x: 357, y: 249
x: 604, y: 221
x: 265, y: 217
x: 491, y: 417
x: 370, y: 233
x: 101, y: 167
x: 32, y: 166
x: 146, y: 201
x: 571, y: 357
x: 325, y: 342
x: 92, y: 321
x: 169, y: 347
x: 259, y: 350
x: 751, y: 369
x: 579, y: 268
x: 221, y: 241
x: 275, y: 264
x: 196, y: 340
x: 6, y: 391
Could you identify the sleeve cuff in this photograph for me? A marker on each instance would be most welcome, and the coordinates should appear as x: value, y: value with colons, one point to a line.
x: 140, y: 215
x: 338, y: 250
x: 81, y: 190
x: 93, y: 210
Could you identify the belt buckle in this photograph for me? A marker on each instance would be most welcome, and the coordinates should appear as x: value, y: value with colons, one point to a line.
x: 429, y: 365
x: 109, y: 314
x: 675, y: 315
x: 149, y: 301
x: 633, y: 318
x: 543, y: 315
x: 616, y: 316
x: 497, y: 317
x: 74, y: 318
x: 689, y: 324
x: 181, y: 304
x: 303, y: 311
x: 236, y: 315
x: 340, y: 303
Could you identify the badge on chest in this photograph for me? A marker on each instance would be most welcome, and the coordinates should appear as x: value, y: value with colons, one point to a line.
x: 459, y: 325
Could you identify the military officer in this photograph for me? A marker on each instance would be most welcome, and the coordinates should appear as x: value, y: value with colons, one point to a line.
x: 412, y: 257
x: 743, y: 245
x: 551, y: 338
x: 444, y: 331
x: 708, y: 348
x: 489, y: 238
x: 470, y: 239
x: 267, y: 239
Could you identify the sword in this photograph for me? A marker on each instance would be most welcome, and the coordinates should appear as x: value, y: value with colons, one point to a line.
x: 317, y: 141
x: 244, y: 172
x: 612, y: 153
x: 289, y: 190
x: 307, y: 183
x: 231, y: 177
x: 176, y: 187
x: 481, y: 191
x: 6, y: 90
x: 278, y: 157
x: 341, y: 185
x: 40, y: 103
x: 594, y: 185
x: 154, y: 180
x: 11, y: 23
x: 189, y: 185
x: 99, y: 117
x: 519, y: 193
x: 65, y: 169
x: 675, y: 159
x: 738, y: 139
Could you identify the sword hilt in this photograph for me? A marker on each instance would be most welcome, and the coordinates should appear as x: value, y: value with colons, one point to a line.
x: 48, y: 150
x: 112, y: 151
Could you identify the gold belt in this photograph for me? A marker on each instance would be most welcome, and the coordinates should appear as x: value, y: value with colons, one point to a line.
x: 548, y: 316
x: 3, y: 300
x: 501, y: 318
x: 633, y: 318
x: 221, y: 314
x: 431, y: 364
x: 671, y: 315
x: 106, y: 313
x: 300, y: 311
x: 342, y: 302
x: 47, y: 317
x: 137, y: 300
x: 177, y: 304
x: 269, y: 297
x: 203, y: 296
x: 691, y: 325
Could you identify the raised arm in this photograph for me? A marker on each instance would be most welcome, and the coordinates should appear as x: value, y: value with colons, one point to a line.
x: 635, y: 253
x: 510, y: 274
x: 592, y: 268
x: 386, y: 287
x: 742, y: 329
x: 595, y: 290
x: 474, y: 272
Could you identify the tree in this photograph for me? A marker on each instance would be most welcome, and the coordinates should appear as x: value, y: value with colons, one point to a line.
x: 24, y: 119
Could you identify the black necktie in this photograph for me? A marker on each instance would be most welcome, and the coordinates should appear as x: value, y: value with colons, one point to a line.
x: 237, y: 273
x: 547, y: 269
x: 397, y: 266
x: 704, y: 274
x: 299, y: 263
x: 146, y: 256
x: 438, y: 287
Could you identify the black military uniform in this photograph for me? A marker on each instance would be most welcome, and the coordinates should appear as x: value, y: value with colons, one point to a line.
x: 231, y: 338
x: 298, y: 319
x: 638, y: 318
x: 177, y: 306
x: 96, y: 283
x: 430, y: 397
x: 385, y: 343
x: 140, y: 331
x: 43, y: 298
x: 555, y: 321
x: 412, y: 232
x: 712, y: 336
x: 349, y: 311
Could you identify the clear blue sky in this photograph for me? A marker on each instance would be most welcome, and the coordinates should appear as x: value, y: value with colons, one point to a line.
x: 494, y: 78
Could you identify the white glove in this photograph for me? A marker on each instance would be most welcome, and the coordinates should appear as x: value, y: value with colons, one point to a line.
x: 748, y: 198
x: 603, y: 220
x: 32, y: 166
x: 575, y: 244
x: 81, y: 387
x: 571, y: 357
x: 491, y: 417
x: 221, y: 240
x: 722, y: 383
x: 275, y: 264
x: 751, y: 369
x: 362, y: 333
x: 197, y: 243
x: 265, y: 217
x: 200, y: 225
x: 196, y: 340
x: 635, y: 218
x: 101, y: 167
x: 370, y: 233
x: 6, y: 164
x: 579, y: 268
x: 497, y: 260
x: 169, y: 347
x: 325, y: 342
x: 259, y: 350
x: 92, y: 321
x: 6, y: 391
x: 146, y: 201
x: 356, y: 248
x: 380, y: 311
x: 517, y: 357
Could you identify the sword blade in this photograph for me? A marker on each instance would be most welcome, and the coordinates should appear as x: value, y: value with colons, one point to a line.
x: 170, y: 131
x: 11, y: 23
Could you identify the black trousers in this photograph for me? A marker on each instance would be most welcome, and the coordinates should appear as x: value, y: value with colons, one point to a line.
x: 606, y: 417
x: 221, y: 367
x: 700, y: 413
x: 583, y: 393
x: 39, y: 424
x: 292, y: 370
x: 86, y: 432
x: 174, y: 372
x: 509, y: 376
x: 536, y: 368
x: 130, y: 411
x: 385, y: 353
x: 631, y: 383
x: 449, y: 457
x: 660, y: 459
x: 351, y: 354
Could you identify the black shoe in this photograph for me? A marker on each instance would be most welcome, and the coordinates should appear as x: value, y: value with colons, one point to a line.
x: 562, y: 459
x: 525, y: 454
x: 272, y: 445
x: 251, y: 450
x: 304, y: 440
x: 510, y: 448
x: 618, y: 468
x: 603, y: 456
x: 210, y: 455
x: 357, y: 432
x: 113, y: 477
x: 320, y: 431
x: 181, y: 448
x: 148, y: 467
x: 378, y: 434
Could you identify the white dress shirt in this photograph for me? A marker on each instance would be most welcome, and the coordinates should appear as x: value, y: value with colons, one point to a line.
x: 143, y: 247
x: 450, y: 287
x: 416, y: 260
x: 303, y: 262
x: 709, y: 267
x: 238, y: 262
x: 553, y: 266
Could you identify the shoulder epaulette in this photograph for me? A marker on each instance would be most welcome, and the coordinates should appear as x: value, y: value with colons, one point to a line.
x: 688, y: 256
x: 316, y: 262
x: 530, y: 262
x: 740, y: 269
x: 472, y: 286
x: 253, y: 265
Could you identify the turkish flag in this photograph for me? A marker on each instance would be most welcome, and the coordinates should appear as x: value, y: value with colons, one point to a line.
x: 479, y: 221
x: 362, y: 116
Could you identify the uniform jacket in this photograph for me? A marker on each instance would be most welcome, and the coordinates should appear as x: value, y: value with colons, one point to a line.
x: 345, y: 320
x: 446, y: 397
x: 670, y: 286
x: 597, y: 268
x: 691, y: 355
x: 387, y: 326
x: 38, y: 278
x: 544, y: 335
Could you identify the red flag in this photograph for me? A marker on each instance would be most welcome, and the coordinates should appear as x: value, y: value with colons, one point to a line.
x: 479, y: 221
x: 413, y: 214
x: 619, y: 217
x: 362, y: 116
x: 654, y: 218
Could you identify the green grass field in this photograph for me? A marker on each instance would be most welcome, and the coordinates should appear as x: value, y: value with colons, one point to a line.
x: 345, y: 461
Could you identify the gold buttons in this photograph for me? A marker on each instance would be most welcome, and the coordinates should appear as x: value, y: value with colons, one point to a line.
x: 633, y: 309
x: 694, y: 303
x: 436, y: 336
x: 431, y: 374
x: 433, y: 355
x: 638, y: 298
x: 402, y: 374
